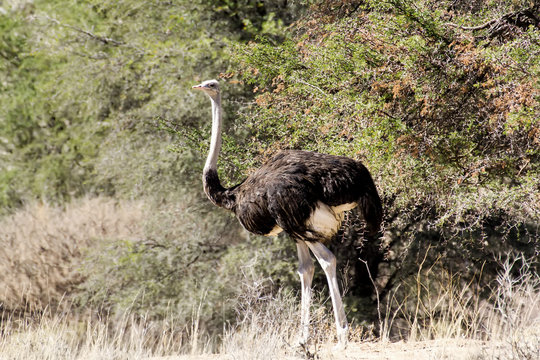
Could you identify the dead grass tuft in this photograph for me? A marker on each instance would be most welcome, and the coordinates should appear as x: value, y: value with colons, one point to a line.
x: 266, y: 324
x: 40, y: 247
x: 445, y: 307
x: 59, y: 336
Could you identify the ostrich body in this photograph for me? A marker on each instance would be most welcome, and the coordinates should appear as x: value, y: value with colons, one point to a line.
x: 302, y: 193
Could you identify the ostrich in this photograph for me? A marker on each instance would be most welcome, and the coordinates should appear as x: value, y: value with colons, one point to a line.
x: 302, y: 193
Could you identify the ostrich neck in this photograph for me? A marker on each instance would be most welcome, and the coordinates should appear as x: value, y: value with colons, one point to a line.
x: 215, y: 142
x: 212, y: 186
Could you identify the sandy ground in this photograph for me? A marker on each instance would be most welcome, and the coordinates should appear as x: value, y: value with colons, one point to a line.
x: 423, y: 350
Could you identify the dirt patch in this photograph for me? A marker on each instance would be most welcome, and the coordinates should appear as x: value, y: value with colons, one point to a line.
x: 437, y: 349
x: 422, y: 350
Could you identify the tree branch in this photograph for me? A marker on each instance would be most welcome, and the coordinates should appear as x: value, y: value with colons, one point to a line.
x: 474, y: 28
x: 103, y: 39
x: 528, y: 12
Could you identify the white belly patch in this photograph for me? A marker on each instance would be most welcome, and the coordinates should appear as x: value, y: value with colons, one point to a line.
x: 324, y: 219
x: 327, y: 219
x: 276, y: 230
x: 344, y: 207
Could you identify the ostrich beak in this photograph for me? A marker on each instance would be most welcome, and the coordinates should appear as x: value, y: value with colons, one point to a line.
x: 197, y: 87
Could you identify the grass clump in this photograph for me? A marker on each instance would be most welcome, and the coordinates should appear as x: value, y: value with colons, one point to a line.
x: 42, y: 246
x: 66, y: 335
x: 504, y: 315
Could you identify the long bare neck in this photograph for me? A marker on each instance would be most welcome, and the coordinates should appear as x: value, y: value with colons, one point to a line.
x: 212, y: 186
x: 215, y: 142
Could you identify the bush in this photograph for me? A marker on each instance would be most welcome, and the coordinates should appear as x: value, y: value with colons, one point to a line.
x: 43, y: 245
x: 445, y: 118
x: 187, y: 266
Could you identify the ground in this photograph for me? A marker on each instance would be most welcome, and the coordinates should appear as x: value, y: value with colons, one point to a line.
x: 422, y: 350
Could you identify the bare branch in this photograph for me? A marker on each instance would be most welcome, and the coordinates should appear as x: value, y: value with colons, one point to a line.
x: 381, y: 327
x: 528, y: 12
x: 473, y: 28
x: 103, y: 39
x: 310, y: 85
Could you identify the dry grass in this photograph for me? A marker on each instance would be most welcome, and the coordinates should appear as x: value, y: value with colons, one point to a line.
x: 40, y: 246
x: 265, y: 332
x: 268, y: 325
x: 442, y: 317
x: 445, y: 318
x: 444, y: 307
x: 64, y: 336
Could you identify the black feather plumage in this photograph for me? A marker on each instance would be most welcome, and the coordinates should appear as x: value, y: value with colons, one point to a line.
x: 285, y: 192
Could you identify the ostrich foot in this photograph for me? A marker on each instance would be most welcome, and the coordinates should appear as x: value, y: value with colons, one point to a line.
x: 303, y: 340
x: 342, y: 338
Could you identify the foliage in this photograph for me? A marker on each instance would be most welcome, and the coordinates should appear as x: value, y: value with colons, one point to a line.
x: 85, y: 86
x: 187, y: 266
x: 445, y: 117
x: 440, y: 100
x: 89, y: 89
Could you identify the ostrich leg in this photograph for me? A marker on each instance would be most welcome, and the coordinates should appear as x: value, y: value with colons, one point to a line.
x: 328, y: 263
x: 305, y: 270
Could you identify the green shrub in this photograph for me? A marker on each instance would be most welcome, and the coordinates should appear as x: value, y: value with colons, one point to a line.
x: 189, y: 266
x: 445, y: 118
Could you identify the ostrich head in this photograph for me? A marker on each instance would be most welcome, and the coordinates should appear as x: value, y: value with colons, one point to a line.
x: 209, y: 87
